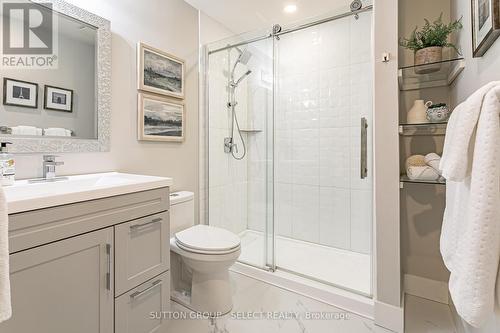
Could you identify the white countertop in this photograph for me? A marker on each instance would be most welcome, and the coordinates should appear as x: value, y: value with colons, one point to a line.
x: 24, y: 196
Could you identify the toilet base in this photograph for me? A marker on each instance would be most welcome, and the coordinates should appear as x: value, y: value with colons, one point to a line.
x: 202, y: 285
x: 212, y: 293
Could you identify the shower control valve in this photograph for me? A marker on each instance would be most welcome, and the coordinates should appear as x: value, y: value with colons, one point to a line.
x: 228, y: 145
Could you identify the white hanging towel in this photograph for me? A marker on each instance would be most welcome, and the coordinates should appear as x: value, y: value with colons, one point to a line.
x: 5, y: 305
x: 470, y: 238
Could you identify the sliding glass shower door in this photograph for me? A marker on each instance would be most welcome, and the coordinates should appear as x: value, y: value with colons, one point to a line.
x: 323, y: 174
x: 289, y: 154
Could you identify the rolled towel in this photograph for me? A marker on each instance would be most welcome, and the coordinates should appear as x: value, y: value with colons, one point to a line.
x: 24, y: 130
x: 56, y: 131
x: 433, y: 161
x: 417, y: 169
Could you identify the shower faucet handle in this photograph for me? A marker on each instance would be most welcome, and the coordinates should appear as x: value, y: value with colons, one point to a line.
x: 229, y: 146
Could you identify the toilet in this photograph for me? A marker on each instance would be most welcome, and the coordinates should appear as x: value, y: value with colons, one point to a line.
x: 200, y: 258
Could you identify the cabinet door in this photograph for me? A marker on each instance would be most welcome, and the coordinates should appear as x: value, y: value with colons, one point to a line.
x: 139, y: 310
x: 63, y: 287
x: 141, y: 250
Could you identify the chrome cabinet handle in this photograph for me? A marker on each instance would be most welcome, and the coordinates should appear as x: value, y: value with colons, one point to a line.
x: 108, y: 273
x: 137, y: 226
x: 364, y: 148
x: 142, y: 292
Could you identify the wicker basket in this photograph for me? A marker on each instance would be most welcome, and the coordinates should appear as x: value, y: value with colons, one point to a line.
x: 429, y: 55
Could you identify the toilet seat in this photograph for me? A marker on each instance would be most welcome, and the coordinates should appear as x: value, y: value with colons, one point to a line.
x: 205, y: 239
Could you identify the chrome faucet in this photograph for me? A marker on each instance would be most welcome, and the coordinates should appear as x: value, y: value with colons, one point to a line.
x: 49, y: 166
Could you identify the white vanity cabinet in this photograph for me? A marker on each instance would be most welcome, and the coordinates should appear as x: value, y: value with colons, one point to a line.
x: 142, y: 250
x: 65, y: 286
x: 140, y: 310
x: 98, y: 266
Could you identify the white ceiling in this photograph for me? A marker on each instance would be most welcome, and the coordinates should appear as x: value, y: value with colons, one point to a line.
x: 247, y: 15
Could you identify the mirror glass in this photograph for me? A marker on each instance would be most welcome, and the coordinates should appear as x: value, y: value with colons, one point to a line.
x: 51, y: 99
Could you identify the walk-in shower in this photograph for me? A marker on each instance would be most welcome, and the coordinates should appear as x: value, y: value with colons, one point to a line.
x: 288, y: 125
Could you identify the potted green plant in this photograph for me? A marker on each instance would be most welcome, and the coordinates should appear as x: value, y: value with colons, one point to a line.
x: 429, y: 42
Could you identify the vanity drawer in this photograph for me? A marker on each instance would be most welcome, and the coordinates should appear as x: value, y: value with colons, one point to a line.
x: 38, y: 227
x: 133, y: 309
x: 141, y: 250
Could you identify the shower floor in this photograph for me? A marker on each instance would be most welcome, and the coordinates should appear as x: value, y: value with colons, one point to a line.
x: 339, y: 267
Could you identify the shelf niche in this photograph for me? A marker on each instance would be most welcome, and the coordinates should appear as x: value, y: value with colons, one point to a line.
x: 409, y: 79
x: 423, y: 129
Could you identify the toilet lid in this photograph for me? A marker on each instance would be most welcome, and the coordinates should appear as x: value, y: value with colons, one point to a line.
x: 207, y: 239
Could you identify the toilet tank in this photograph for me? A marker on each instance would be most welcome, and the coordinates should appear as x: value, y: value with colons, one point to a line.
x: 181, y: 211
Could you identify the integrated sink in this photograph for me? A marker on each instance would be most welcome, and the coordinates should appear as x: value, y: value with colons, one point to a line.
x: 25, y: 195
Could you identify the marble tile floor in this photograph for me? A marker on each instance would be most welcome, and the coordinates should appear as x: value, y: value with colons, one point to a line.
x: 425, y: 316
x: 263, y: 308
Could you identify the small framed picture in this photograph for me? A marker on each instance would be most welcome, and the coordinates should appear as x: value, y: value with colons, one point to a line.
x: 485, y: 25
x: 20, y: 93
x: 160, y: 72
x: 58, y: 99
x: 160, y: 118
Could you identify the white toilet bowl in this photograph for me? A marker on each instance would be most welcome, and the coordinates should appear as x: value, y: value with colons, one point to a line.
x: 205, y: 254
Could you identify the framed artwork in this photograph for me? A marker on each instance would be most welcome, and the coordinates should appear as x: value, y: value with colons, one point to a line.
x: 160, y: 119
x: 58, y: 99
x: 20, y: 93
x: 160, y: 72
x: 485, y: 25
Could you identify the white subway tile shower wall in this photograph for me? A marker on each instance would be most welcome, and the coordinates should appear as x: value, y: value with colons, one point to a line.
x: 324, y: 88
x: 228, y: 178
x: 324, y: 82
x: 260, y: 104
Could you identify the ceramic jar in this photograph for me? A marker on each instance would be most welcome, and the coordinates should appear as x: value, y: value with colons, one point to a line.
x: 418, y: 113
x: 438, y: 113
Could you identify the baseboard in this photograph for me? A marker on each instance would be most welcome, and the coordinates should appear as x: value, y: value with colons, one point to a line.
x: 433, y: 290
x: 389, y: 316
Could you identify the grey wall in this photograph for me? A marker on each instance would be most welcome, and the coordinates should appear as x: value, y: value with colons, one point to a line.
x: 422, y: 206
x: 170, y: 25
x: 75, y: 71
x: 478, y: 71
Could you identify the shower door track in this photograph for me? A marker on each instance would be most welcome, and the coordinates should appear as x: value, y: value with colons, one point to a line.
x: 297, y: 28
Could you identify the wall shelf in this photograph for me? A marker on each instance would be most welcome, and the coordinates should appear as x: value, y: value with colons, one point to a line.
x: 409, y: 79
x: 430, y: 129
x: 405, y: 180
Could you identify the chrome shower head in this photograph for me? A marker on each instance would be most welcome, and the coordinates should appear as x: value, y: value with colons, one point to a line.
x: 244, y: 57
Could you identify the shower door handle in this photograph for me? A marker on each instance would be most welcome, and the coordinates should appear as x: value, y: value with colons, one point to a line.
x: 364, y: 148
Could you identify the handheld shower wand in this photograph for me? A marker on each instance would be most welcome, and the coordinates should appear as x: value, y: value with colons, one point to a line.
x: 229, y: 145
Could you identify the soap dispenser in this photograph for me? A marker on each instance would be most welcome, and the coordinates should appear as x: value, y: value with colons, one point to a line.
x: 7, y: 166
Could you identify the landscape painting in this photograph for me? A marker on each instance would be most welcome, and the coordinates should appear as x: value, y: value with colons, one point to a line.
x: 160, y: 119
x: 160, y: 72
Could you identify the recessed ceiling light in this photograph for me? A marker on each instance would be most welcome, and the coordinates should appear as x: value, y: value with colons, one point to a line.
x: 290, y: 9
